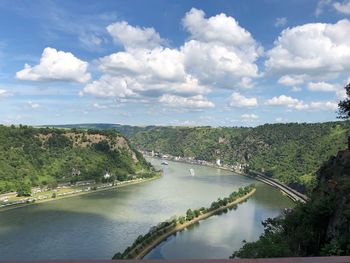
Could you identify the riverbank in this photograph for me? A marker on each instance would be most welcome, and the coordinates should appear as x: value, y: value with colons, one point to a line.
x: 82, y: 192
x: 141, y: 250
x: 292, y: 194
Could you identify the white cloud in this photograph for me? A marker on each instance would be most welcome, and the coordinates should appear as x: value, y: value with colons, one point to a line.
x: 297, y: 104
x: 287, y: 101
x: 280, y: 21
x: 109, y: 86
x: 134, y: 37
x: 321, y: 5
x: 324, y: 105
x: 318, y: 50
x: 217, y: 54
x: 238, y: 100
x: 249, y: 117
x: 33, y: 105
x: 4, y: 93
x: 194, y: 102
x: 56, y: 66
x: 99, y: 106
x: 322, y: 86
x: 296, y: 89
x: 281, y: 100
x: 342, y: 7
x: 291, y: 80
x: 220, y: 52
x: 159, y: 64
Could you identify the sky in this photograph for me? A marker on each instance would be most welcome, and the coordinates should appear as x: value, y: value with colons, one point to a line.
x: 138, y: 62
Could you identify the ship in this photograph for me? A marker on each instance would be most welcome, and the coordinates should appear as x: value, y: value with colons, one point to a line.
x: 191, y: 172
x: 164, y: 163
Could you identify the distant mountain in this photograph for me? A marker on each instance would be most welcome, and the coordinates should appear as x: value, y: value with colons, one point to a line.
x: 43, y: 156
x: 321, y: 227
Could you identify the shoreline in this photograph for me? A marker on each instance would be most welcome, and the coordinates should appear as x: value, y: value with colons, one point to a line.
x: 183, y: 226
x: 3, y: 209
x: 284, y: 189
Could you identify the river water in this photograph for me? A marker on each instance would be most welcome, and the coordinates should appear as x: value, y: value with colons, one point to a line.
x: 97, y: 225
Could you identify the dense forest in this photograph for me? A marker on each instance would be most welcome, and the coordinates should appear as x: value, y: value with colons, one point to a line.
x: 318, y: 228
x: 290, y: 152
x: 42, y: 156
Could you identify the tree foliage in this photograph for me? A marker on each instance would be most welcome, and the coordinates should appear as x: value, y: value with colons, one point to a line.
x: 45, y: 157
x: 344, y: 105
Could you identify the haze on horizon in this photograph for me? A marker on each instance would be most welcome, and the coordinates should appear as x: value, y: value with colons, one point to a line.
x: 217, y: 63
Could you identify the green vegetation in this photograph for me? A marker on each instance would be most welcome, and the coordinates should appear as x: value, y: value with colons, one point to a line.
x: 288, y: 152
x: 31, y: 157
x: 318, y: 228
x: 175, y: 223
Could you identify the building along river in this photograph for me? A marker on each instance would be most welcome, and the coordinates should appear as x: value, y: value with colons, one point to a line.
x: 96, y: 225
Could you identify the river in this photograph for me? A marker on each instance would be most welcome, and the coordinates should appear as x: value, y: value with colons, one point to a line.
x: 97, y: 225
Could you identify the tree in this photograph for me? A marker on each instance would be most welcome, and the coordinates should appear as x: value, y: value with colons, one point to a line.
x: 24, y: 189
x: 344, y: 105
x: 189, y: 215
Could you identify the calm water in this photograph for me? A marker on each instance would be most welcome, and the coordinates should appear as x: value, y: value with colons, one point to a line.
x: 97, y: 225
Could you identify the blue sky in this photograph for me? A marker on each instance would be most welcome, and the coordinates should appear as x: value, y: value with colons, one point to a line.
x: 218, y: 63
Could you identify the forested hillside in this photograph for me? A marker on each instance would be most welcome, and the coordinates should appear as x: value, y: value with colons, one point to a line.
x: 318, y: 228
x: 289, y: 152
x: 44, y: 156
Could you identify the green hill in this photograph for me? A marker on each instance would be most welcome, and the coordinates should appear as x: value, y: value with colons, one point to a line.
x: 42, y: 156
x: 318, y: 228
x: 289, y: 152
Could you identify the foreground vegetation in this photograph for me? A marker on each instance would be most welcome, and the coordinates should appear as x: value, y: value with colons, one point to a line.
x: 31, y: 157
x: 143, y: 244
x: 318, y: 228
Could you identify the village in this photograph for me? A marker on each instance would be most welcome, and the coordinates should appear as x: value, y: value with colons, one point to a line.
x: 66, y: 189
x: 237, y: 167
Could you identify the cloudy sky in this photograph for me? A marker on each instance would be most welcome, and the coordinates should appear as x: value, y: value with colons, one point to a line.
x: 218, y: 63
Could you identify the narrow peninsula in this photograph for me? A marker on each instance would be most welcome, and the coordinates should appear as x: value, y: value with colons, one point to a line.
x: 157, y: 234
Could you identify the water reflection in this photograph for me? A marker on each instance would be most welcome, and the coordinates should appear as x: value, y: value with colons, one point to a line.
x: 97, y: 225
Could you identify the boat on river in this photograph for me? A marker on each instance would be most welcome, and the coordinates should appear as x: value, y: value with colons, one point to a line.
x: 164, y: 163
x: 192, y: 172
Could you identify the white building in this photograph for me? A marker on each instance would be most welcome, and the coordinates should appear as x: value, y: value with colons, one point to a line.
x: 107, y: 176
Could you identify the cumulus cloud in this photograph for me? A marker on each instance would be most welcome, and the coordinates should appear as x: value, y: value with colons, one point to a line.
x: 291, y: 80
x: 219, y: 53
x: 342, y: 7
x: 134, y: 37
x: 322, y: 86
x: 238, y: 100
x: 318, y: 50
x: 324, y: 105
x: 33, y: 105
x: 109, y: 86
x: 249, y: 117
x: 287, y: 101
x: 297, y: 104
x: 56, y: 66
x: 280, y: 21
x: 194, y: 102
